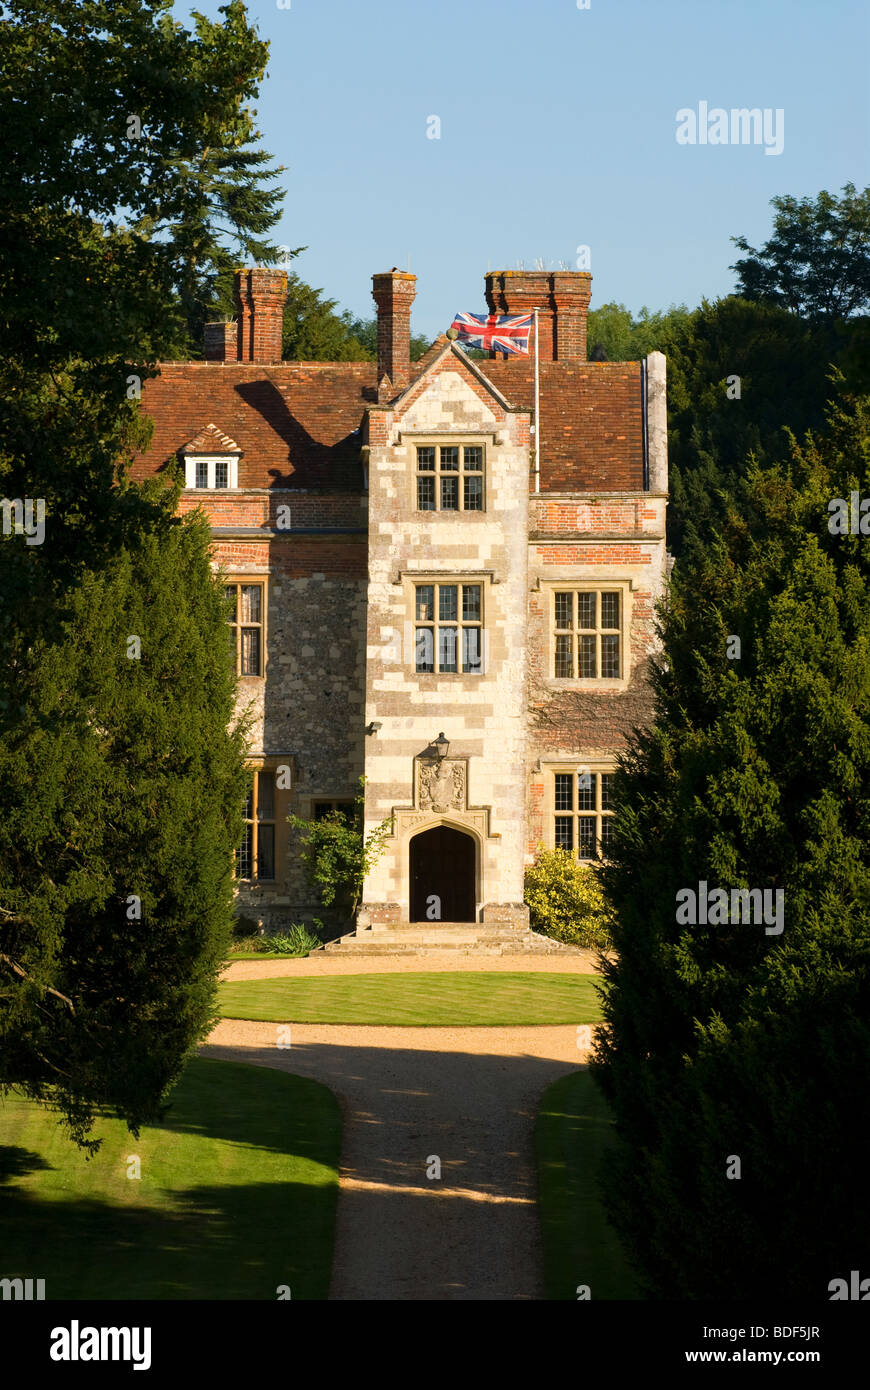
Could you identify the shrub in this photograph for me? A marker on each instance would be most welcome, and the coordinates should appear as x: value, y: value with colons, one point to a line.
x: 243, y: 944
x: 297, y: 940
x: 566, y: 902
x: 337, y: 855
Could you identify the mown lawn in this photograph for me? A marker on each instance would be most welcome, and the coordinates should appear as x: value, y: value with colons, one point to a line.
x: 237, y: 1194
x: 434, y: 999
x: 573, y: 1133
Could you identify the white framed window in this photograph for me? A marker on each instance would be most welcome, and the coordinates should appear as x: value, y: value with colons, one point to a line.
x: 262, y: 855
x: 587, y: 630
x: 255, y: 857
x: 587, y: 633
x: 211, y: 472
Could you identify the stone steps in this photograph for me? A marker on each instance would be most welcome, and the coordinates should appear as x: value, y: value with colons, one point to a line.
x: 461, y: 938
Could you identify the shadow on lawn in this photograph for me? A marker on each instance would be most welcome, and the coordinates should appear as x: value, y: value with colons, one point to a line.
x: 470, y: 1234
x: 214, y: 1244
x: 16, y: 1162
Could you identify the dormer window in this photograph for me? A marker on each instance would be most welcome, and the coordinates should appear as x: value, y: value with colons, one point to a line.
x: 211, y: 472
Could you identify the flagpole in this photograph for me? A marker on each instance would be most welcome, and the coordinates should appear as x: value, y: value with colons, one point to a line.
x: 537, y: 412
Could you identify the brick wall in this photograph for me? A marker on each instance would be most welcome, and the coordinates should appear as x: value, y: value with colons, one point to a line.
x: 590, y: 722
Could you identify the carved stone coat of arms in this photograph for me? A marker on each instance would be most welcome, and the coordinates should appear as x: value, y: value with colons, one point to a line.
x: 441, y: 786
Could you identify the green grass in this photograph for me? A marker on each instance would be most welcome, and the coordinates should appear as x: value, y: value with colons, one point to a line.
x: 237, y: 1193
x: 427, y: 999
x: 573, y: 1134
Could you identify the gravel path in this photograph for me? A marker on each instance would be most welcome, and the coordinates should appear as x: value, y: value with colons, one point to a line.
x: 578, y: 963
x: 467, y: 1096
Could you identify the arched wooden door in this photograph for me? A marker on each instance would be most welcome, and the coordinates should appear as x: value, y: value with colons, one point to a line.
x: 442, y: 876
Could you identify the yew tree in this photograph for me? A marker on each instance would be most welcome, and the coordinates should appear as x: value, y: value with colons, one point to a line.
x: 132, y: 179
x: 736, y: 1059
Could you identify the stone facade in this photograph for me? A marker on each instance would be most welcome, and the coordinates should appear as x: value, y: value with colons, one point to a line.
x: 356, y: 575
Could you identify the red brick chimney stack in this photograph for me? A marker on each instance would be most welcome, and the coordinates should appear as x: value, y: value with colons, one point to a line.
x: 394, y: 293
x: 220, y: 342
x: 260, y: 296
x: 562, y: 299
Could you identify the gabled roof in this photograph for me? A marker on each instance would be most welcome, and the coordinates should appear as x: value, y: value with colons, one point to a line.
x: 210, y: 441
x: 298, y: 424
x: 429, y: 366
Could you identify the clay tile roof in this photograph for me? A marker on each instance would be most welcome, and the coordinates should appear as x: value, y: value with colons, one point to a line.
x: 422, y: 363
x: 591, y: 420
x: 295, y: 423
x: 298, y: 424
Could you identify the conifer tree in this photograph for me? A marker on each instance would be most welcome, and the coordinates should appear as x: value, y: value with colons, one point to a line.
x: 131, y: 178
x: 736, y: 1058
x: 120, y: 807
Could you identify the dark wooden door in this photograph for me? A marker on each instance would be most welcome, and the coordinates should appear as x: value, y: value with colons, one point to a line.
x: 442, y: 866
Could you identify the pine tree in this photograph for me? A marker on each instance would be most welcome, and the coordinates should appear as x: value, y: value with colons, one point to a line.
x: 132, y: 178
x: 729, y: 1048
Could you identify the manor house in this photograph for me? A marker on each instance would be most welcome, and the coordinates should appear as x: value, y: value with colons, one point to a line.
x: 433, y: 586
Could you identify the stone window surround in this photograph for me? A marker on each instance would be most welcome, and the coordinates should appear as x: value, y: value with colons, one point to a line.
x: 255, y: 762
x: 191, y: 461
x: 594, y: 583
x: 457, y: 624
x: 434, y: 439
x: 549, y: 767
x: 260, y: 577
x: 308, y: 802
x: 409, y: 579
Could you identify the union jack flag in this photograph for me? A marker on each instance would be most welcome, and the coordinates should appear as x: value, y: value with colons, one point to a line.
x: 501, y: 332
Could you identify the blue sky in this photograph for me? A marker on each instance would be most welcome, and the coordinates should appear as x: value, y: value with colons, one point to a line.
x: 557, y: 131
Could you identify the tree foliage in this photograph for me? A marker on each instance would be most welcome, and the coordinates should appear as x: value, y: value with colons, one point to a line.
x: 625, y: 338
x: 314, y: 332
x: 120, y: 806
x: 817, y: 262
x: 337, y: 854
x: 745, y: 369
x: 740, y: 375
x: 724, y: 1041
x: 366, y: 332
x: 131, y: 178
x: 565, y: 900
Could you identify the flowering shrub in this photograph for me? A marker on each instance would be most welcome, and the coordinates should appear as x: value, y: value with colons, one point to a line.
x: 566, y: 902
